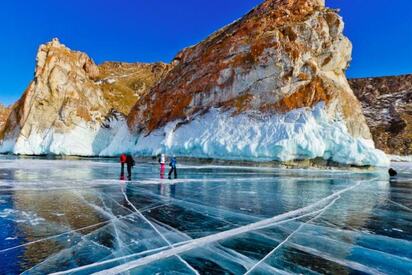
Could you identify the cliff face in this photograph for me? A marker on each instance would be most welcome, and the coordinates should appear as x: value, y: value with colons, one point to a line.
x: 284, y: 55
x: 269, y: 86
x: 4, y: 113
x: 387, y: 105
x: 72, y: 103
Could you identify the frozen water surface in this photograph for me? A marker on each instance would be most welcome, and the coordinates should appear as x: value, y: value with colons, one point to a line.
x: 76, y: 217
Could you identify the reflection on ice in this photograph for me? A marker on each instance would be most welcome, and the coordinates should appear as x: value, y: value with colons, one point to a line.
x: 76, y: 217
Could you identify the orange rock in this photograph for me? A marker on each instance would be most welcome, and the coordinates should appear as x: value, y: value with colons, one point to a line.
x: 284, y: 54
x: 4, y: 113
x: 69, y: 90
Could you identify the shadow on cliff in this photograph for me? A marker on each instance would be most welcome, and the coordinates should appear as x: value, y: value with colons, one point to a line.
x: 109, y: 128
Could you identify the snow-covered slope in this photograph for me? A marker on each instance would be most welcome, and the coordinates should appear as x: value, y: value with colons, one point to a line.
x: 305, y: 133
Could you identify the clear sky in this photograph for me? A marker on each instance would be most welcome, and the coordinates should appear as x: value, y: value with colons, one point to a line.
x: 148, y: 31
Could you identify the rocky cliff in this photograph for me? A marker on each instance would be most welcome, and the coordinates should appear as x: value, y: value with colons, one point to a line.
x: 271, y: 85
x: 282, y: 56
x: 72, y: 106
x: 4, y: 113
x: 387, y: 105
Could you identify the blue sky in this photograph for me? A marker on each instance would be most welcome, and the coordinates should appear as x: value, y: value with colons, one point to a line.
x: 148, y: 31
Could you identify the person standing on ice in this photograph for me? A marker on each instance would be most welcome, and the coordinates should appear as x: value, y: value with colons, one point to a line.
x: 392, y: 172
x: 123, y: 158
x: 130, y: 163
x: 162, y: 161
x: 173, y: 169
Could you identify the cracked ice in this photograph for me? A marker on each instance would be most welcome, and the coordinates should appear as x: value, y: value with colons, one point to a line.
x: 76, y: 217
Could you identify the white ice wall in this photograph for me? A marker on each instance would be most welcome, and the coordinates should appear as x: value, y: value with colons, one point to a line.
x: 300, y: 134
x: 82, y: 140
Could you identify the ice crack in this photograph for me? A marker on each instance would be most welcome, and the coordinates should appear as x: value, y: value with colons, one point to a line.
x: 157, y: 231
x: 223, y: 235
x: 290, y: 236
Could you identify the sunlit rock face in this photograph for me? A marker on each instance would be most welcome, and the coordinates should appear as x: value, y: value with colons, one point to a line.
x: 281, y: 70
x: 4, y: 113
x: 387, y: 105
x: 124, y: 83
x: 281, y: 56
x: 270, y: 86
x: 72, y: 105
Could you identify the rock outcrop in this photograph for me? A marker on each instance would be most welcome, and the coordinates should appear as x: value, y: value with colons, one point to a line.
x: 72, y: 106
x: 387, y: 105
x: 284, y: 61
x: 282, y: 56
x: 4, y: 114
x: 268, y: 87
x: 124, y: 83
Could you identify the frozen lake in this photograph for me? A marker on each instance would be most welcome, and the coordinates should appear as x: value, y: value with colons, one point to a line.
x: 76, y: 216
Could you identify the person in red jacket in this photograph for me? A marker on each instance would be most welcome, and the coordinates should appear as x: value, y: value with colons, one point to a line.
x: 123, y: 159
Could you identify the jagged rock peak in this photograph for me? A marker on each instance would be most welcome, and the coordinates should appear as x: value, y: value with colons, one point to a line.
x: 271, y: 85
x: 283, y: 55
x: 56, y: 52
x: 70, y: 99
x: 290, y: 5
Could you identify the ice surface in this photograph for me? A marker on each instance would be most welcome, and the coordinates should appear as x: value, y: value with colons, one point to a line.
x: 76, y: 217
x: 300, y: 134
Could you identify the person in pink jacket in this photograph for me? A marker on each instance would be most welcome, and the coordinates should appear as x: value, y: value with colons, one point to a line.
x: 162, y: 161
